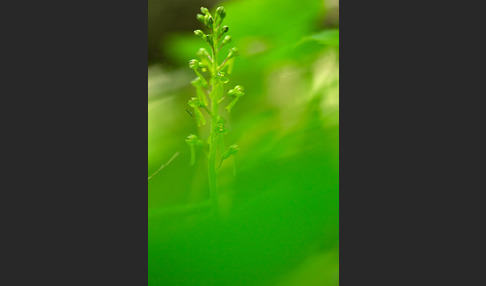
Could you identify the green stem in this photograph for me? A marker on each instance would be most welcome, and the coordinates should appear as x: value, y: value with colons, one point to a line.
x: 212, y: 175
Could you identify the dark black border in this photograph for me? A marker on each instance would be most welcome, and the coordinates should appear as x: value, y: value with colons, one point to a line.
x: 81, y: 69
x: 373, y: 112
x: 408, y: 128
x: 76, y: 184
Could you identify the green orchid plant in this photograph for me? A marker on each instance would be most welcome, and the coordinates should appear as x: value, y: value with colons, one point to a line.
x: 212, y: 75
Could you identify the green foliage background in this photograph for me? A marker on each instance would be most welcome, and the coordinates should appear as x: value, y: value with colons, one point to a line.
x: 281, y: 208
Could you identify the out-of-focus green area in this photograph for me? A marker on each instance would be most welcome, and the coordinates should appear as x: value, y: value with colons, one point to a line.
x: 280, y: 208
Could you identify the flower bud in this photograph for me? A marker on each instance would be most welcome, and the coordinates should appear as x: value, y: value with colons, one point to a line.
x: 221, y: 129
x: 199, y: 33
x: 221, y: 12
x: 192, y: 139
x: 209, y: 21
x: 195, y: 103
x: 222, y: 77
x: 204, y: 10
x: 239, y: 88
x: 232, y: 53
x: 232, y: 150
x: 199, y: 84
x: 200, y: 18
x: 226, y: 40
x: 209, y: 39
x: 225, y: 29
x: 202, y: 53
x: 237, y: 91
x: 194, y: 64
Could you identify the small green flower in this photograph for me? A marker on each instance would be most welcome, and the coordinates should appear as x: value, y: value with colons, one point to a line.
x: 220, y: 12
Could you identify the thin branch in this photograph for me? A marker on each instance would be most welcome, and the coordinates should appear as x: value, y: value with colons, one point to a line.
x: 223, y: 63
x: 164, y: 165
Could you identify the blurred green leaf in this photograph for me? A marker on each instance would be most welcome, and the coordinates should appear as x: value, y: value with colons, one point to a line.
x: 327, y: 37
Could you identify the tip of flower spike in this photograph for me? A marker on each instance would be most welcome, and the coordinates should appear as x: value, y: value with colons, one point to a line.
x: 204, y: 10
x: 221, y: 12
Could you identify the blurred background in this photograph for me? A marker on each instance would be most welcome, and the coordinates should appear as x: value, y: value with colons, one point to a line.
x: 280, y: 194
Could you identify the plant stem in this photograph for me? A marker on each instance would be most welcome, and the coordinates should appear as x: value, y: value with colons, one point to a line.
x: 213, y: 184
x: 212, y: 176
